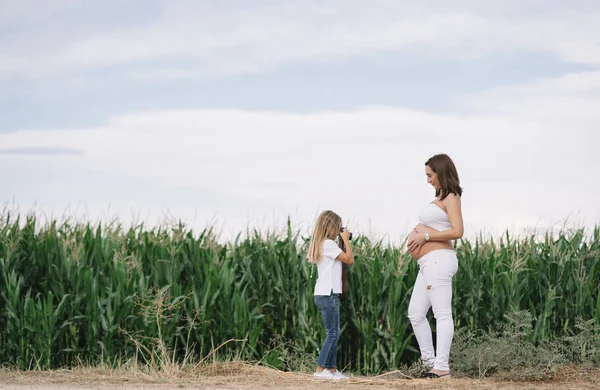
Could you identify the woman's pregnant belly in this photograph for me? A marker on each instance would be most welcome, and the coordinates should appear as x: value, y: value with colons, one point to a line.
x: 429, y: 246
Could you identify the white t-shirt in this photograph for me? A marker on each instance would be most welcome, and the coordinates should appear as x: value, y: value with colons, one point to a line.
x: 330, y: 270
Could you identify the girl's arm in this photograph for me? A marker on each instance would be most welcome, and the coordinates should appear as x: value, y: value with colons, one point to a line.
x: 346, y: 257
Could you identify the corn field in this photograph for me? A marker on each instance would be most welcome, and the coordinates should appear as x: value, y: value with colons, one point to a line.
x: 76, y: 293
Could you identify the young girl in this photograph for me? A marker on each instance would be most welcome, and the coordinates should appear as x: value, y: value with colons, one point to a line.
x: 329, y: 257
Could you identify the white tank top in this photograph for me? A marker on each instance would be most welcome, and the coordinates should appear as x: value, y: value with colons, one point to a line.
x: 434, y: 217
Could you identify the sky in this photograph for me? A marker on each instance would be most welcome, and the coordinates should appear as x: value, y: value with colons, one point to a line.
x: 238, y: 115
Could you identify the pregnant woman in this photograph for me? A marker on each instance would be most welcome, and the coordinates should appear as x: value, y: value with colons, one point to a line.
x: 440, y: 222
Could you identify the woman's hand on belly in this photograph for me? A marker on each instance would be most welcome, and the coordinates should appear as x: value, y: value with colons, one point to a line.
x: 413, y: 234
x: 428, y: 246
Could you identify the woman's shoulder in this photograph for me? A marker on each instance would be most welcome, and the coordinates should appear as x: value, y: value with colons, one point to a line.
x: 452, y: 202
x: 452, y: 197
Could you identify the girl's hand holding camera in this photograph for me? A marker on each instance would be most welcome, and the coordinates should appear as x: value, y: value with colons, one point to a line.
x: 346, y: 257
x: 345, y: 234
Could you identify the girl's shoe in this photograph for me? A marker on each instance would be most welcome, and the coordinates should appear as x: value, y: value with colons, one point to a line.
x: 339, y: 376
x: 325, y: 374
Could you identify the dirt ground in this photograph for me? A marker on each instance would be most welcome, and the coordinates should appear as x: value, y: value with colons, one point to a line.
x: 243, y: 376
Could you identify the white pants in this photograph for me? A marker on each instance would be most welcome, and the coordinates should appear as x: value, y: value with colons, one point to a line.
x: 433, y: 288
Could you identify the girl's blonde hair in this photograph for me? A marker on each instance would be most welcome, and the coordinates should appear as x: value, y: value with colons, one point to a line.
x: 327, y: 227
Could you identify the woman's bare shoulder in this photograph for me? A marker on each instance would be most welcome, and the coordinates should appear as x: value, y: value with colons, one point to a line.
x: 452, y: 198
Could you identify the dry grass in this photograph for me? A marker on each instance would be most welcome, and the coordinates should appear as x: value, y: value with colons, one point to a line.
x: 242, y: 375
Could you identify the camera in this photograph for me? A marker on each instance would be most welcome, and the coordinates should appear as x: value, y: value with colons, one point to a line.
x: 342, y: 229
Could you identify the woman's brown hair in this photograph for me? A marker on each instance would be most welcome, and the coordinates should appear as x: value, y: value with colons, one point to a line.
x: 445, y: 169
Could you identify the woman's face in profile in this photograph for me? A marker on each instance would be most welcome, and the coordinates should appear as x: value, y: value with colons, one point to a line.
x: 432, y: 178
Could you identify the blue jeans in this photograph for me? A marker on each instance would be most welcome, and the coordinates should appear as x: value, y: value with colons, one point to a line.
x: 329, y: 306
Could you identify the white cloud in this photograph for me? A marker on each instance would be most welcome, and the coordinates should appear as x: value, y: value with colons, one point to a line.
x: 526, y: 154
x: 519, y: 163
x: 213, y: 39
x: 569, y: 104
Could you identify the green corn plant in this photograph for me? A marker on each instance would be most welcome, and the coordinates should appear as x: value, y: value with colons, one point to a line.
x: 68, y: 289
